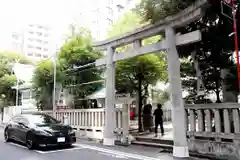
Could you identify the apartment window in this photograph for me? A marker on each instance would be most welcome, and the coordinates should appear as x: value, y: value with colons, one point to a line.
x: 45, y: 56
x: 110, y: 22
x: 38, y: 54
x: 45, y: 35
x: 45, y: 42
x: 39, y: 48
x: 30, y: 54
x: 30, y: 39
x: 31, y: 32
x: 40, y: 27
x: 39, y: 33
x: 45, y: 49
x: 120, y: 8
x: 39, y: 41
x: 110, y: 11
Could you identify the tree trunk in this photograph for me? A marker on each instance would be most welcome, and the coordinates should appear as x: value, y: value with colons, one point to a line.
x: 217, y: 91
x: 218, y: 97
x: 140, y: 129
x: 146, y: 95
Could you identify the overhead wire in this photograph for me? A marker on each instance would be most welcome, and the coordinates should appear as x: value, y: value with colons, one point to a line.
x: 86, y: 83
x: 76, y: 69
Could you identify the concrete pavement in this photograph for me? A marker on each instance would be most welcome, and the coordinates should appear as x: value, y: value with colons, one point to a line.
x: 83, y: 150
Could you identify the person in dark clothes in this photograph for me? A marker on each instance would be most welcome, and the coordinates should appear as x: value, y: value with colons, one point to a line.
x: 158, y: 113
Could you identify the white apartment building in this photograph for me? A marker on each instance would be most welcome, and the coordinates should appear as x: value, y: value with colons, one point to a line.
x: 99, y: 15
x: 33, y: 40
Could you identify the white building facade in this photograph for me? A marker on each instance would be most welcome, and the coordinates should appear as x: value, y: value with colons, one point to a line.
x: 32, y: 40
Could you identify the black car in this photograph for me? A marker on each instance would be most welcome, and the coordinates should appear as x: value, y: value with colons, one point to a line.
x: 39, y: 130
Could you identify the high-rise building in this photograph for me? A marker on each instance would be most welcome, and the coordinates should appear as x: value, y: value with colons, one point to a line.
x: 33, y: 40
x: 98, y: 16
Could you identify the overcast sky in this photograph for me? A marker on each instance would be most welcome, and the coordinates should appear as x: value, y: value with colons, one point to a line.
x: 55, y: 13
x: 58, y: 14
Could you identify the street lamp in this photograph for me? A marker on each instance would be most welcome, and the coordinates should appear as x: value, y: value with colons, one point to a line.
x: 17, y: 61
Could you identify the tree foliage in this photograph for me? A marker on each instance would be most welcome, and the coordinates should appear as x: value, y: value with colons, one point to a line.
x: 43, y: 82
x: 76, y: 51
x: 214, y: 51
x: 7, y: 77
x: 155, y: 10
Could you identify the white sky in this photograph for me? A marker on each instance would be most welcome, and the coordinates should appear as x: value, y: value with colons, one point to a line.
x: 54, y: 13
x: 57, y: 14
x: 47, y: 11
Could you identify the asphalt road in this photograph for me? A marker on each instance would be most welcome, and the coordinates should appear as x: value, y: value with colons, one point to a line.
x: 83, y: 151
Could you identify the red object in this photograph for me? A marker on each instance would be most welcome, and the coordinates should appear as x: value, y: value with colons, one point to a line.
x: 236, y: 39
x: 228, y: 1
x: 131, y: 115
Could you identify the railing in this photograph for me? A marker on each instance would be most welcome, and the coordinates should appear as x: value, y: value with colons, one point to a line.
x: 86, y: 119
x: 218, y: 124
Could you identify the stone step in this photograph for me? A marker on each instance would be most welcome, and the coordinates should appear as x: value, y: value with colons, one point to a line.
x: 165, y: 147
x: 155, y: 140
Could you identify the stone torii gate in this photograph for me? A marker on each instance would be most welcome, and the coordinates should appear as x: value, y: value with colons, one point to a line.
x: 166, y: 27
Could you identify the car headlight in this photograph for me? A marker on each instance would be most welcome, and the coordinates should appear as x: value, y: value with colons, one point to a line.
x: 43, y: 133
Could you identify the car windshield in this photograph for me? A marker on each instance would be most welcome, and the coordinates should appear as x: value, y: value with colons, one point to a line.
x: 40, y: 119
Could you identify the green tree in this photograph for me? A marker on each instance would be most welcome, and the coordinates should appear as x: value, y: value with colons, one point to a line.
x: 7, y: 77
x: 154, y: 10
x: 77, y: 51
x: 43, y: 82
x: 215, y: 49
x: 137, y: 73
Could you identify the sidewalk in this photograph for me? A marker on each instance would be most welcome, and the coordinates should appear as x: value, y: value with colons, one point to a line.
x: 154, y: 153
x: 168, y: 129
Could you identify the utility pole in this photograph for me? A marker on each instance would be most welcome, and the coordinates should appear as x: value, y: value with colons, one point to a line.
x: 54, y: 84
x: 234, y: 9
x: 17, y: 85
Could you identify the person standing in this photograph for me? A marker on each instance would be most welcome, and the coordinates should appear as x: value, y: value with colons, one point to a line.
x: 158, y: 113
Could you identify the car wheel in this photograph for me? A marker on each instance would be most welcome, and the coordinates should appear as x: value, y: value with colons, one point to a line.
x: 30, y: 141
x: 6, y: 135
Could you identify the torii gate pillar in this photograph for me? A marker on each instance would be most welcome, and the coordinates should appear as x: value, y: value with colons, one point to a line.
x: 110, y: 120
x: 180, y: 148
